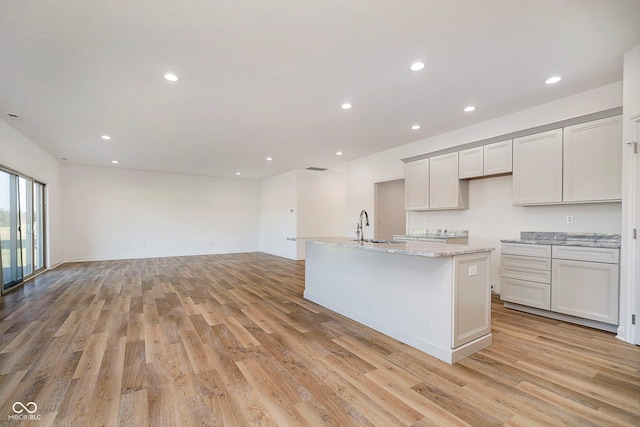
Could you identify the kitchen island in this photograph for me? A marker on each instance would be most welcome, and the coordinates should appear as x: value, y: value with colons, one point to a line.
x: 432, y: 296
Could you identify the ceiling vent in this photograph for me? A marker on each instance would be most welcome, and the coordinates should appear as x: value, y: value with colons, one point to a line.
x: 313, y: 168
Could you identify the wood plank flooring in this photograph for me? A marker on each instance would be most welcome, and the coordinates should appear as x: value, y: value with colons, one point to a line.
x: 228, y: 340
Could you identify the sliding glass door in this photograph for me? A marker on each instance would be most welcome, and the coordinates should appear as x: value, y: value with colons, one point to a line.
x: 21, y: 228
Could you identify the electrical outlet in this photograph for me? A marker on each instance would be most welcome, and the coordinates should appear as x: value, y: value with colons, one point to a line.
x: 569, y: 219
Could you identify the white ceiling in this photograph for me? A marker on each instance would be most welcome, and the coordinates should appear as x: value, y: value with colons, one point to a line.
x: 267, y: 77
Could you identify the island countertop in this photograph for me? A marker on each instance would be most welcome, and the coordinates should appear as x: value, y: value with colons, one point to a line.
x: 425, y: 249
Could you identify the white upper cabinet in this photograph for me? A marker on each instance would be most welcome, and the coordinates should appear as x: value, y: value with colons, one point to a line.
x: 498, y: 158
x: 446, y: 191
x: 486, y: 160
x: 537, y: 168
x: 593, y: 161
x: 471, y: 163
x: 416, y: 185
x: 576, y: 164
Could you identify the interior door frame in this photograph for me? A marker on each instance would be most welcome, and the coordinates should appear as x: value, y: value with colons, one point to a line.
x: 634, y: 291
x: 376, y: 200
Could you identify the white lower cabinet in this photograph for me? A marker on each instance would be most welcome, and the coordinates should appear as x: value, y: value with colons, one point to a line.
x: 585, y: 288
x: 526, y: 275
x: 525, y: 292
x: 581, y: 282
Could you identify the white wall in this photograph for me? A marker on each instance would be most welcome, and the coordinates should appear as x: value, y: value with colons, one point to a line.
x: 119, y: 214
x: 321, y: 205
x: 278, y: 214
x: 490, y: 216
x: 17, y: 152
x: 300, y: 203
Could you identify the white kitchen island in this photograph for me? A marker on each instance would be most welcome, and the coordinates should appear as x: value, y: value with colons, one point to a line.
x: 434, y: 297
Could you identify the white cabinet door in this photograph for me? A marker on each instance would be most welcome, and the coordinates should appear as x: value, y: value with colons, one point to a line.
x: 585, y: 289
x: 416, y: 185
x: 446, y: 191
x: 498, y: 158
x: 537, y: 168
x: 470, y: 163
x: 593, y: 161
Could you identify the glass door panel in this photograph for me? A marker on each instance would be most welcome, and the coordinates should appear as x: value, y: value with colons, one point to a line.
x: 38, y: 225
x: 25, y: 226
x: 5, y: 228
x: 11, y: 268
x: 21, y: 228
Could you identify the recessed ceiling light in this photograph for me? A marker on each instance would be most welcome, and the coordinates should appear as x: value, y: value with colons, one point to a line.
x: 238, y: 173
x: 417, y: 66
x: 12, y: 115
x: 346, y: 106
x: 171, y: 77
x: 552, y: 80
x: 115, y: 162
x: 415, y: 127
x: 105, y: 137
x: 469, y: 108
x: 63, y: 158
x: 338, y: 153
x: 269, y: 159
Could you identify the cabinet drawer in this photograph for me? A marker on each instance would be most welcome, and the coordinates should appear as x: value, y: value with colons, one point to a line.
x: 540, y: 276
x: 526, y: 250
x: 404, y: 238
x: 526, y: 262
x: 610, y: 256
x: 427, y: 239
x: 531, y: 294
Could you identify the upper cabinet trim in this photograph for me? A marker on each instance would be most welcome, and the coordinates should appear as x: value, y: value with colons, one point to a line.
x: 526, y: 132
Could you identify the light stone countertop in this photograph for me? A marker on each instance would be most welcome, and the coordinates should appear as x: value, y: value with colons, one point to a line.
x: 587, y: 240
x: 425, y: 249
x: 438, y: 233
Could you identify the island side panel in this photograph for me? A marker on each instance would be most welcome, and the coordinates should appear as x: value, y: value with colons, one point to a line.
x: 404, y: 296
x: 472, y: 297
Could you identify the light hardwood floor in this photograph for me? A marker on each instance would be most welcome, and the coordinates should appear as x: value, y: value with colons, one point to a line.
x: 228, y: 340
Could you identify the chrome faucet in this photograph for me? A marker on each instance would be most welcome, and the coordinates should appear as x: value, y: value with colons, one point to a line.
x: 359, y: 230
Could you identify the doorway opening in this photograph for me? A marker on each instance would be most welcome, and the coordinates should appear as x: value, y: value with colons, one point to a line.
x: 390, y: 216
